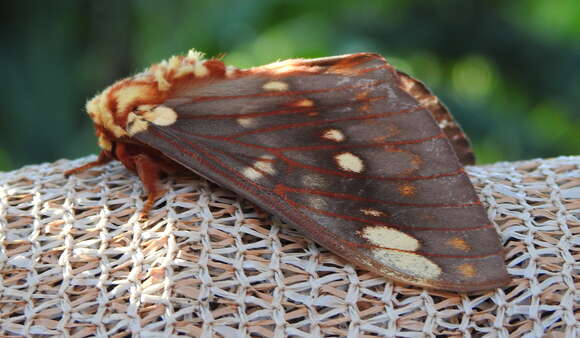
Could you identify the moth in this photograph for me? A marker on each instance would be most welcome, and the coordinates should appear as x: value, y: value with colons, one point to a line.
x: 358, y: 156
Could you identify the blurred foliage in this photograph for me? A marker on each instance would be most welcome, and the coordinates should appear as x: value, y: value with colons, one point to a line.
x: 509, y: 71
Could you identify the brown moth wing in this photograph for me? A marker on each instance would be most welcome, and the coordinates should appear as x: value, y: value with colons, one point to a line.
x: 442, y: 115
x: 336, y: 148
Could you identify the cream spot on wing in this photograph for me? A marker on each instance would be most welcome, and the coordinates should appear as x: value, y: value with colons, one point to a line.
x: 407, y: 262
x: 136, y: 124
x: 333, y: 135
x: 303, y: 103
x: 467, y: 270
x: 266, y: 165
x: 246, y: 122
x: 261, y: 166
x: 349, y: 162
x: 252, y: 173
x: 161, y: 116
x: 276, y: 86
x: 390, y: 238
x: 458, y: 243
x: 372, y: 212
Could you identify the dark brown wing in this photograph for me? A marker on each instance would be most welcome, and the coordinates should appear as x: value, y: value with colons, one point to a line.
x: 336, y: 148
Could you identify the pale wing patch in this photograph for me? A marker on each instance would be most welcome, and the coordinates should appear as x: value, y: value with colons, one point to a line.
x: 246, y: 122
x: 349, y: 162
x: 411, y: 263
x: 161, y: 116
x: 252, y: 173
x: 278, y: 86
x: 372, y: 212
x: 265, y: 164
x: 261, y: 166
x: 158, y: 115
x: 390, y: 238
x: 333, y: 135
x: 136, y: 124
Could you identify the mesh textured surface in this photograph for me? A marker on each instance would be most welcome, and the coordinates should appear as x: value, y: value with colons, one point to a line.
x: 76, y: 261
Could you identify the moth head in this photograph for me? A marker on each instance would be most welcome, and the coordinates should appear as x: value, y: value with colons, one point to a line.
x: 113, y: 111
x: 130, y: 105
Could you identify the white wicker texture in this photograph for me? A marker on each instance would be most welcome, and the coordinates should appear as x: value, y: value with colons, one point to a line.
x: 75, y: 261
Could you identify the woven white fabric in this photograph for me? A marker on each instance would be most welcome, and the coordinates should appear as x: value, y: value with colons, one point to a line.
x: 76, y: 261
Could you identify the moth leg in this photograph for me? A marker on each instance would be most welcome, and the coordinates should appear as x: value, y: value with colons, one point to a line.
x: 104, y: 158
x: 149, y: 172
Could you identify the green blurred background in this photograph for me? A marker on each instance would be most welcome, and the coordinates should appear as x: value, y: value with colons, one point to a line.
x: 508, y: 70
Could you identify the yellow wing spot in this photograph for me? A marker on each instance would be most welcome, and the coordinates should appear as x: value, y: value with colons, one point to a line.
x: 161, y: 116
x: 372, y: 212
x: 246, y: 122
x: 458, y: 243
x: 261, y: 166
x: 303, y: 103
x: 278, y: 86
x: 408, y: 262
x: 390, y: 238
x: 349, y: 162
x: 333, y: 135
x: 252, y: 173
x: 407, y: 190
x: 313, y: 113
x: 265, y: 164
x: 136, y: 124
x: 468, y: 270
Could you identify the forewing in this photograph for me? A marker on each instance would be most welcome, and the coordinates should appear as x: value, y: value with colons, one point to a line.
x: 337, y: 148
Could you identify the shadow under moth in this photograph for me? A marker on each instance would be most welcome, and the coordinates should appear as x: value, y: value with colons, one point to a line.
x: 358, y: 156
